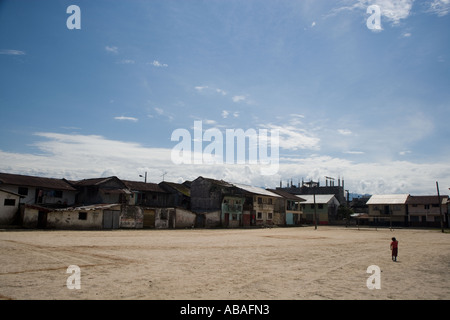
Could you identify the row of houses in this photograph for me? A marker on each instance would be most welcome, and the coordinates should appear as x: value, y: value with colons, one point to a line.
x: 112, y: 203
x: 408, y: 210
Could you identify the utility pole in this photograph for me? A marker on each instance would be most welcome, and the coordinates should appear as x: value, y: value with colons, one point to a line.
x: 315, y: 209
x: 440, y: 207
x: 145, y: 176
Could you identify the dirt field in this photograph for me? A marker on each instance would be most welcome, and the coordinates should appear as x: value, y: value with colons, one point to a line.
x: 270, y: 264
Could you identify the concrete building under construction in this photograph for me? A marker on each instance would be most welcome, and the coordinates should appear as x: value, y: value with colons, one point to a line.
x: 314, y: 187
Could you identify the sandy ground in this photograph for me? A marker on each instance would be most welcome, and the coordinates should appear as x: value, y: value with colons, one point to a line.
x: 270, y: 264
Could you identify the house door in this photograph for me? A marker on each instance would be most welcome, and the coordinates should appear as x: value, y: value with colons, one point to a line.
x: 200, y: 221
x: 227, y: 220
x: 111, y: 219
x: 171, y: 219
x: 42, y: 220
x: 149, y: 219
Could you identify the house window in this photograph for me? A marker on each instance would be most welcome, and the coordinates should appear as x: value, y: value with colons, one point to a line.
x: 269, y: 216
x: 427, y: 206
x: 10, y: 202
x: 435, y: 205
x: 234, y: 216
x: 58, y: 194
x: 320, y: 205
x: 260, y: 200
x: 259, y: 216
x: 312, y: 206
x: 23, y: 191
x: 82, y: 215
x: 270, y: 200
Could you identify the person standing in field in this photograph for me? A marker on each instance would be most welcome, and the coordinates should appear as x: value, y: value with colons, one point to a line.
x: 394, y: 249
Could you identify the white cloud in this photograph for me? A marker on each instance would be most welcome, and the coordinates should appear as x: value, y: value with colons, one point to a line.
x: 159, y: 110
x: 12, y: 52
x: 209, y: 121
x: 158, y: 64
x: 112, y: 49
x: 201, y: 88
x: 440, y: 7
x: 76, y: 156
x: 345, y: 132
x: 225, y: 114
x: 313, y: 24
x: 236, y: 114
x: 126, y: 61
x: 126, y: 118
x: 292, y: 138
x: 392, y: 10
x: 238, y: 98
x: 407, y: 34
x: 222, y: 92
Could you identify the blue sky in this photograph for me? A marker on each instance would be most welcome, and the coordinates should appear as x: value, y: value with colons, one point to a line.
x: 369, y: 106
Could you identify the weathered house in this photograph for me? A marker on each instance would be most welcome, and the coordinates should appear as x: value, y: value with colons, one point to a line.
x: 9, y: 207
x: 322, y: 207
x: 148, y: 194
x: 425, y: 211
x: 390, y: 209
x: 48, y: 192
x: 216, y: 203
x: 110, y: 190
x: 259, y: 206
x: 179, y: 194
x: 98, y: 217
x: 287, y: 208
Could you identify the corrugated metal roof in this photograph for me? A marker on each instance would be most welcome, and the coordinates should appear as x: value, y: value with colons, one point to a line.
x: 320, y: 198
x: 426, y: 199
x: 90, y: 207
x: 95, y: 181
x: 256, y: 190
x: 388, y: 199
x: 143, y: 186
x: 13, y: 193
x: 287, y: 195
x: 176, y: 186
x: 33, y: 181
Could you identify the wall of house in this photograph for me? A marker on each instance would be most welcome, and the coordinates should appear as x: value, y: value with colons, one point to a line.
x: 232, y: 211
x: 30, y: 217
x: 8, y: 212
x: 321, y: 211
x: 378, y: 216
x: 212, y: 219
x: 184, y: 218
x: 131, y: 217
x: 165, y: 218
x: 265, y: 210
x: 422, y: 215
x: 75, y: 219
x: 205, y: 196
x: 48, y: 195
x: 279, y: 218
